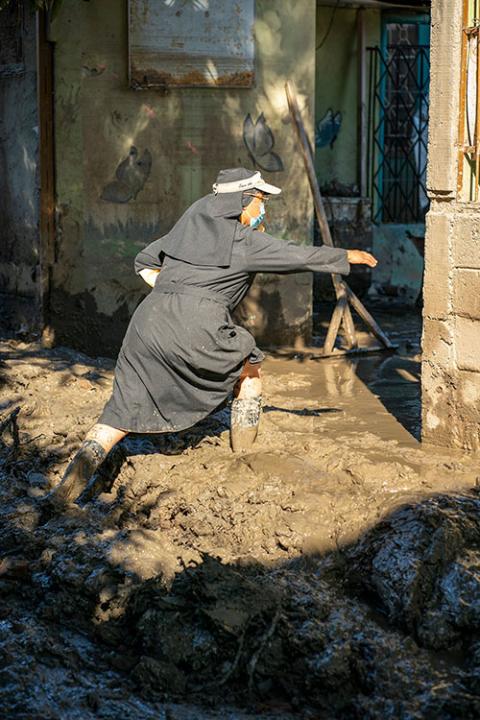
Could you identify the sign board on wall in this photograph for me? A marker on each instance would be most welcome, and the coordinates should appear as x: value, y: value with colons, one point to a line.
x: 191, y: 43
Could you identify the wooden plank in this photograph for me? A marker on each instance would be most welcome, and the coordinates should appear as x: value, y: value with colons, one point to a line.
x: 349, y: 327
x: 316, y: 353
x: 368, y: 319
x: 339, y: 284
x: 307, y: 153
x: 334, y: 325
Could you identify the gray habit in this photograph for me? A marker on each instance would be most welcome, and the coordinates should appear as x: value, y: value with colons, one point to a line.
x: 182, y: 354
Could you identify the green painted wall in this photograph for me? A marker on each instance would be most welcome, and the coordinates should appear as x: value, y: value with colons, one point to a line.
x: 336, y: 87
x: 190, y: 133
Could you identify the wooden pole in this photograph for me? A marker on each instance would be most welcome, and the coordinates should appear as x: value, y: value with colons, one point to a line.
x: 368, y: 319
x: 342, y: 311
x: 307, y: 152
x: 334, y: 326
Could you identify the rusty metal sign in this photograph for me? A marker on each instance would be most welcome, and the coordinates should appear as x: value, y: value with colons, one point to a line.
x: 191, y: 43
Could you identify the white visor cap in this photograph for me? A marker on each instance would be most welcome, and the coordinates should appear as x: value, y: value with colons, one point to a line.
x: 254, y: 182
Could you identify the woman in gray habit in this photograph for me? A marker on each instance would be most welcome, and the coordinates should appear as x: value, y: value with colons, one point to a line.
x: 182, y: 354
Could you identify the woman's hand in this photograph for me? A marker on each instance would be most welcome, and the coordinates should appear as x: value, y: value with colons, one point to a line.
x: 360, y: 257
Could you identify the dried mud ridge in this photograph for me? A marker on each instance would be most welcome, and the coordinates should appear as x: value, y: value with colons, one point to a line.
x: 328, y: 574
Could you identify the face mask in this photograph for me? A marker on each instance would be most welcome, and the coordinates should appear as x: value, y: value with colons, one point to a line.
x: 255, y: 222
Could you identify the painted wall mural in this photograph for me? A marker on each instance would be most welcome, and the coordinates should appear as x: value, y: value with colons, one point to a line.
x: 130, y: 177
x: 259, y: 141
x: 327, y: 129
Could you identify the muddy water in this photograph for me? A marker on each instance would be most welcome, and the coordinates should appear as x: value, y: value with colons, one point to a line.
x: 333, y: 571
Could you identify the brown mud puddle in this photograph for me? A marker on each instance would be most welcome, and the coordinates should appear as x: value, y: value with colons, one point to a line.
x: 333, y: 572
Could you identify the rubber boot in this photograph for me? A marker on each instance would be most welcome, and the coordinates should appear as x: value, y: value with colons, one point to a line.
x: 79, y: 471
x: 245, y: 419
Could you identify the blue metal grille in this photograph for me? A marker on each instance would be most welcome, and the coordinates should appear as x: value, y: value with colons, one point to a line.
x: 398, y: 130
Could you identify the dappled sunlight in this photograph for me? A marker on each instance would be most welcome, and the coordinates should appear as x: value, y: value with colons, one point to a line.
x: 189, y: 133
x: 211, y: 70
x: 190, y: 570
x: 144, y: 117
x: 186, y: 591
x: 29, y: 163
x: 197, y: 4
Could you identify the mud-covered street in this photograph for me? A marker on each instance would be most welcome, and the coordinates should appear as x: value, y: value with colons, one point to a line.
x: 332, y: 572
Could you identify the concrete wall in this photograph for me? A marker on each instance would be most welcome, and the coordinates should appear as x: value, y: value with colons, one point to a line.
x: 399, y: 250
x: 399, y: 274
x: 189, y: 134
x: 336, y: 156
x: 336, y: 88
x: 451, y: 338
x: 19, y: 188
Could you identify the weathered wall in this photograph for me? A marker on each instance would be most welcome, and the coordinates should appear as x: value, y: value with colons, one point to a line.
x: 189, y: 134
x: 336, y: 135
x: 451, y: 337
x: 399, y: 250
x: 19, y: 192
x: 336, y: 89
x: 400, y: 269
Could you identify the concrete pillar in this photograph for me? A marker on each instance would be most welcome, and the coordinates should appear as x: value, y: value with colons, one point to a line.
x: 451, y: 335
x: 20, y: 291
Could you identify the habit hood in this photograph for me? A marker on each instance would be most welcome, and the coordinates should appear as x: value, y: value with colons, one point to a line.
x: 205, y: 233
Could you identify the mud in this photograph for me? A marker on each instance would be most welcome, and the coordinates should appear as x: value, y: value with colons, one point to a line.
x: 332, y: 572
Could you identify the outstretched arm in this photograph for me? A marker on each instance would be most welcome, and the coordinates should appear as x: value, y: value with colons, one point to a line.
x: 268, y: 254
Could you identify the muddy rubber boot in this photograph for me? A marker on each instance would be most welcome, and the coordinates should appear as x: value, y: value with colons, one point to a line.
x: 79, y: 471
x: 245, y: 419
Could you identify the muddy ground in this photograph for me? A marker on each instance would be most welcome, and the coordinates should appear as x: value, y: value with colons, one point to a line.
x: 332, y: 572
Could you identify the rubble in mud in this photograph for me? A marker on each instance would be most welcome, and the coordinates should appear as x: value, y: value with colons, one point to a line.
x: 332, y: 572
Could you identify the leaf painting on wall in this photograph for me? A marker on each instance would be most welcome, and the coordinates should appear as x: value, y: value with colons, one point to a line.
x: 259, y: 141
x: 327, y: 129
x: 130, y: 177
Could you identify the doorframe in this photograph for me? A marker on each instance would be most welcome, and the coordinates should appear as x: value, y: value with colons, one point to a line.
x: 396, y: 16
x: 46, y: 161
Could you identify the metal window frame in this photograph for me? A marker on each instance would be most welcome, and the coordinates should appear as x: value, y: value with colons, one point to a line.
x: 379, y: 71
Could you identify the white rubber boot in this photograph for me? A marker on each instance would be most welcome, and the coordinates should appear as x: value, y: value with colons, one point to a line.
x: 245, y: 420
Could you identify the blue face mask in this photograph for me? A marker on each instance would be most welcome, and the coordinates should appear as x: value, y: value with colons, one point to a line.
x: 255, y: 222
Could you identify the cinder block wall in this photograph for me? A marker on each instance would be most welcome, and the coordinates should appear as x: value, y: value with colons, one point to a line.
x: 451, y: 335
